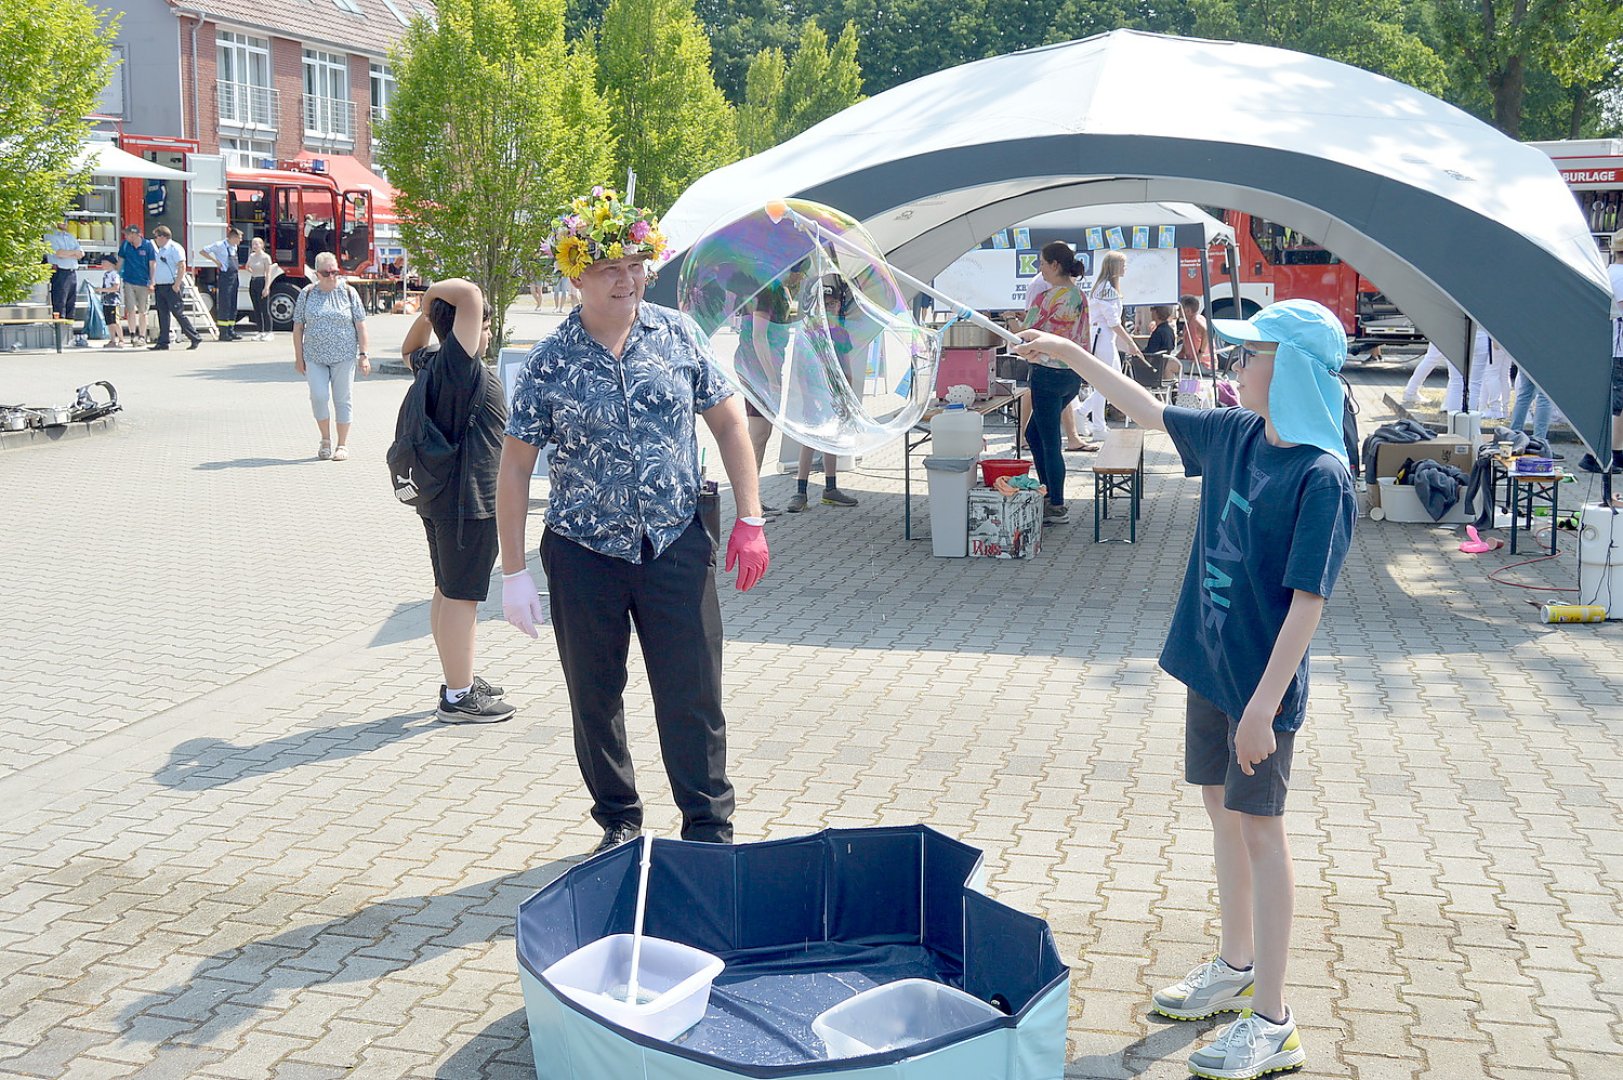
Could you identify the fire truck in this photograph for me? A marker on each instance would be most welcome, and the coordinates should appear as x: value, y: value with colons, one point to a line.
x: 299, y: 212
x: 1593, y: 169
x: 1278, y: 263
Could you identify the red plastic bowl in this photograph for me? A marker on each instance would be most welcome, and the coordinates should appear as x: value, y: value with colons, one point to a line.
x: 992, y: 468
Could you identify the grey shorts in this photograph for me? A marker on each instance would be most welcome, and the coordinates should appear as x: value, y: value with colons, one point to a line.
x: 136, y: 298
x: 1208, y: 760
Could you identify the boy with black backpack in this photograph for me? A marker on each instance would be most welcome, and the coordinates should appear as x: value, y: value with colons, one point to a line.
x: 443, y: 462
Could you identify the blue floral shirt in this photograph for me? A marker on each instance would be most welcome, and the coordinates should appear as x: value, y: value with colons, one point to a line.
x: 627, y: 463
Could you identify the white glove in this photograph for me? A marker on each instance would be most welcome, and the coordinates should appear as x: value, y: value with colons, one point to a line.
x: 521, y: 602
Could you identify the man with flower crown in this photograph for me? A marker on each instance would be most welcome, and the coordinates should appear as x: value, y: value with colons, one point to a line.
x: 617, y: 390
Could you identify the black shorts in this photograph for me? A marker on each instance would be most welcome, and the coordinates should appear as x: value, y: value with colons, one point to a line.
x: 1617, y: 386
x: 462, y: 574
x: 1208, y: 760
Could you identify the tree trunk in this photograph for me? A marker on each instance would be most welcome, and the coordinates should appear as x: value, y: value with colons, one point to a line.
x: 1580, y: 98
x: 1509, y: 89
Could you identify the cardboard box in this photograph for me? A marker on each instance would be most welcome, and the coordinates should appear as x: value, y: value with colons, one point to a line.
x: 1389, y: 459
x: 1004, y: 527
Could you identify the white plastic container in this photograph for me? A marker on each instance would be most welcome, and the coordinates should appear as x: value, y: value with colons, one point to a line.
x: 898, y: 1014
x: 956, y: 432
x: 1600, y: 560
x: 951, y: 479
x: 674, y: 980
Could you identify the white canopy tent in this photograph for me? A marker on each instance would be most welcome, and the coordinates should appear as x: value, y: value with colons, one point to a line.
x: 1454, y: 221
x: 105, y: 159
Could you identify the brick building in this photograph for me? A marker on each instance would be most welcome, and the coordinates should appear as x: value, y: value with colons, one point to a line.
x: 260, y: 80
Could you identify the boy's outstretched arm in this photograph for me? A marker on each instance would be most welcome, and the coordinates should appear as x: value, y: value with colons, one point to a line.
x: 1138, y: 403
x: 1254, y: 740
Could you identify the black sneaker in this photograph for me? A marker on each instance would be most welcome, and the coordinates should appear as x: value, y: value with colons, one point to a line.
x: 1589, y: 463
x: 1053, y: 515
x: 615, y: 835
x: 474, y: 707
x: 494, y: 691
x: 197, y: 342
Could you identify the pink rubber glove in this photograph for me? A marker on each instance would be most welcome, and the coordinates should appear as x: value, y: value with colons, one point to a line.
x: 521, y: 602
x: 746, y: 548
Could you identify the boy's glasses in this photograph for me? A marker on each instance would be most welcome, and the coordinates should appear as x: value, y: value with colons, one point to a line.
x: 1249, y: 353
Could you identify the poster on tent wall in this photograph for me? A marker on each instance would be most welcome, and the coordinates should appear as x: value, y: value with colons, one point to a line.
x: 996, y: 279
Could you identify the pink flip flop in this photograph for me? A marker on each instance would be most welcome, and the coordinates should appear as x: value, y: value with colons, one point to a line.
x: 1476, y: 545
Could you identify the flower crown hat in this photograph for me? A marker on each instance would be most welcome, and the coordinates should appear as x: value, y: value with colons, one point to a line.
x: 600, y: 226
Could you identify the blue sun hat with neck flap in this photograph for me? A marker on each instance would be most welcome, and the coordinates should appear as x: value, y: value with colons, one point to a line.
x: 1306, y: 398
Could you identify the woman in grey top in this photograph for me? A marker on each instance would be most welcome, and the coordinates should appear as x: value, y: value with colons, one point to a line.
x: 329, y: 338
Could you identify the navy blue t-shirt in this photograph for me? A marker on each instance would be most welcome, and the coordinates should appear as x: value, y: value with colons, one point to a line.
x: 1272, y: 520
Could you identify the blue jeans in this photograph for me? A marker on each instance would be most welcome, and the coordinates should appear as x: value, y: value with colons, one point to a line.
x: 1052, y: 391
x: 1527, y: 395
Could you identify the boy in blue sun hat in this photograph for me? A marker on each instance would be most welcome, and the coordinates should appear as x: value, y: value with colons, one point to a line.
x: 1275, y: 522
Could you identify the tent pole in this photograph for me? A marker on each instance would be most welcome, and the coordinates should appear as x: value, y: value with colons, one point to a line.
x: 1465, y: 369
x: 1206, y: 313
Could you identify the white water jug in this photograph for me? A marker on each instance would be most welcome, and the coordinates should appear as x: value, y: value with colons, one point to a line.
x: 956, y: 432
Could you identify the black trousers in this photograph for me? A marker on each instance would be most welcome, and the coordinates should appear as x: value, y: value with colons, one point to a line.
x: 171, y: 306
x: 672, y: 602
x: 225, y: 302
x: 64, y: 292
x: 260, y: 297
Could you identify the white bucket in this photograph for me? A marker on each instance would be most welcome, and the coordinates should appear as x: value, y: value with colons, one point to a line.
x: 673, y: 979
x: 1600, y: 560
x: 896, y: 1015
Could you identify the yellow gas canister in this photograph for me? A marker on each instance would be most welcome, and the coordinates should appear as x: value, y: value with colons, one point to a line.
x: 1565, y: 613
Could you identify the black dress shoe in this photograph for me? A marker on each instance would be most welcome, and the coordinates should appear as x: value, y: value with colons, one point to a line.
x: 158, y: 348
x: 615, y: 835
x: 196, y: 341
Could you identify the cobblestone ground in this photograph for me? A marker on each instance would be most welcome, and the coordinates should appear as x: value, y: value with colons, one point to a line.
x: 235, y: 844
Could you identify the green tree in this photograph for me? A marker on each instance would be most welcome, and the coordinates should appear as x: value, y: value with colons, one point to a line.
x: 784, y: 97
x: 1371, y: 34
x: 1504, y: 46
x: 739, y: 31
x: 55, y: 60
x: 494, y: 124
x: 671, y: 123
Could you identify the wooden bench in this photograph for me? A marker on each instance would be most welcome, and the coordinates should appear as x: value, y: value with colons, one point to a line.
x: 1119, y: 471
x: 59, y: 326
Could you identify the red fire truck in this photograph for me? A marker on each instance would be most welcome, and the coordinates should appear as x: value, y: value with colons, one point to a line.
x: 299, y: 212
x: 1593, y: 169
x: 1279, y: 263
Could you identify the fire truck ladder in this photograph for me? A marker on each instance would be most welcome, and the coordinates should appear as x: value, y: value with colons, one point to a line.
x: 198, y: 312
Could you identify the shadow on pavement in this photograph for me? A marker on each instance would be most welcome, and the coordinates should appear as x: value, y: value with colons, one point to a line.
x: 500, y: 1051
x: 1170, y: 1039
x: 252, y: 463
x: 201, y: 764
x: 367, y: 945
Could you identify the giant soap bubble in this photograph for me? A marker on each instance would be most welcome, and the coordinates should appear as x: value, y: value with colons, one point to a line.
x: 807, y: 321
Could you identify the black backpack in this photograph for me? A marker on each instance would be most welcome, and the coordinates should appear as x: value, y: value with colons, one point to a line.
x: 422, y: 460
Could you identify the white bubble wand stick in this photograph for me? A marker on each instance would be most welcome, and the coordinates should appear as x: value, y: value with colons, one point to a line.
x: 778, y: 209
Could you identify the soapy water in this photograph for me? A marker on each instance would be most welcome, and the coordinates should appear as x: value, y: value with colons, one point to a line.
x: 806, y: 320
x: 618, y: 993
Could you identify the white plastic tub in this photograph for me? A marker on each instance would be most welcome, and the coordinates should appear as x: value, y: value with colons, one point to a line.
x: 898, y: 1014
x: 673, y: 982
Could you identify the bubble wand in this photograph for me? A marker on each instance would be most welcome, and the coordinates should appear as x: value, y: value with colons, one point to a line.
x: 778, y: 209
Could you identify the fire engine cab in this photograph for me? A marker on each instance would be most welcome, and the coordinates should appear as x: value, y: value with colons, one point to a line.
x: 299, y: 212
x: 1279, y: 263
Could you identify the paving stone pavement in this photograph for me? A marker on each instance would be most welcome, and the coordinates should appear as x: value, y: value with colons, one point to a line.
x: 235, y: 844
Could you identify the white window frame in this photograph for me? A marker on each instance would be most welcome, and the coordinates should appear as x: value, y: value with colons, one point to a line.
x: 400, y: 16
x: 327, y: 107
x: 245, y: 151
x: 349, y: 7
x: 380, y: 77
x: 249, y: 62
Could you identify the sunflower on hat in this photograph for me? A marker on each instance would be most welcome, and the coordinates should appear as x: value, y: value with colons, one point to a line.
x: 600, y: 226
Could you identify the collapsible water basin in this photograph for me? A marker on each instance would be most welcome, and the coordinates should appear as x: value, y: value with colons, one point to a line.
x: 897, y: 1015
x: 802, y: 926
x: 673, y: 983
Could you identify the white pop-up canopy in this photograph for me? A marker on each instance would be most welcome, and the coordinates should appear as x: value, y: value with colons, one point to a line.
x: 105, y: 159
x: 1454, y: 221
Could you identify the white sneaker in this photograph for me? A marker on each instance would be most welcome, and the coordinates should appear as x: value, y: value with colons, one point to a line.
x: 1248, y: 1048
x: 1209, y: 989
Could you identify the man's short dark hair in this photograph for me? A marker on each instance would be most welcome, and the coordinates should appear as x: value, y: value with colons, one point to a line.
x: 442, y: 317
x: 163, y: 231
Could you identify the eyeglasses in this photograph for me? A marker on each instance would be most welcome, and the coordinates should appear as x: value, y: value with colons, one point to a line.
x: 1249, y: 353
